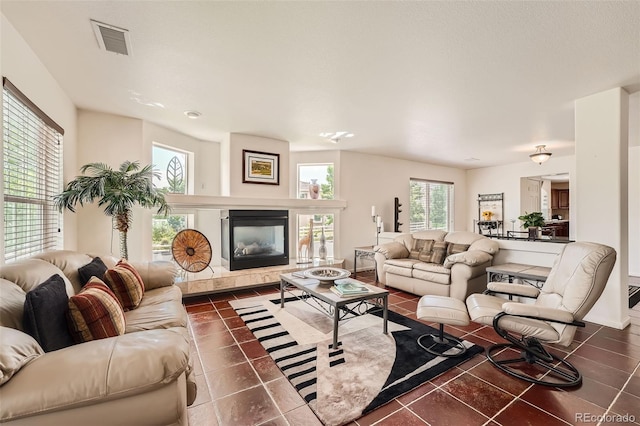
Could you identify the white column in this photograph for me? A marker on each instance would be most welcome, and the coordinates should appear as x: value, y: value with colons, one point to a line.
x: 601, y: 185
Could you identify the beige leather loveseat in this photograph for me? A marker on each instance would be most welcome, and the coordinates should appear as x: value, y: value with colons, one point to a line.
x: 142, y: 377
x: 436, y: 263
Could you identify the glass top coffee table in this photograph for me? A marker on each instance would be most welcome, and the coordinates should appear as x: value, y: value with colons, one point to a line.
x: 319, y: 295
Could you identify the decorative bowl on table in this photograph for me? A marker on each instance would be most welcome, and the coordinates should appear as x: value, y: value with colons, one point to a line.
x: 326, y: 274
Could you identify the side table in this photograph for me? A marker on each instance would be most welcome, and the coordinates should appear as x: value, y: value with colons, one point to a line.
x: 530, y: 274
x: 365, y: 252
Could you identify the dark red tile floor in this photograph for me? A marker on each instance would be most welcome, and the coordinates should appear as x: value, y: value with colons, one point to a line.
x: 239, y: 384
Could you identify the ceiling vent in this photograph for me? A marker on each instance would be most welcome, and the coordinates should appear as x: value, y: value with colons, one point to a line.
x: 112, y: 39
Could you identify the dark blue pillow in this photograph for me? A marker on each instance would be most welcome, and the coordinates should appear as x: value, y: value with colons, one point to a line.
x: 95, y: 268
x: 45, y: 314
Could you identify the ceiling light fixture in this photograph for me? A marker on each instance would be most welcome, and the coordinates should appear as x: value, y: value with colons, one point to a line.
x: 540, y: 156
x: 192, y: 114
x: 336, y: 136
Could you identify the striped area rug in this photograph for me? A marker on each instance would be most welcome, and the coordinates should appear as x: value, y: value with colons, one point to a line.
x: 367, y: 370
x: 634, y: 295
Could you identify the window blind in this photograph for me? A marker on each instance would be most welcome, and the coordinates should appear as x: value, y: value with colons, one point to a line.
x: 32, y: 144
x: 431, y: 205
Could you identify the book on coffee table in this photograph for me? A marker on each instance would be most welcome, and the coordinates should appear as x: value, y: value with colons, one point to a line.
x: 349, y: 287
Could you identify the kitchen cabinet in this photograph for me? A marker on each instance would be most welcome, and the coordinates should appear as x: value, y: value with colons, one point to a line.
x: 561, y: 228
x: 559, y: 198
x: 563, y: 198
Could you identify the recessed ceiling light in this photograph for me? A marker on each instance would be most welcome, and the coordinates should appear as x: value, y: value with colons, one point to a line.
x: 472, y: 159
x: 192, y: 114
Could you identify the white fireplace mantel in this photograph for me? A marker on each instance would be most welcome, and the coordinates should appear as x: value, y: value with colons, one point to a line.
x: 179, y: 201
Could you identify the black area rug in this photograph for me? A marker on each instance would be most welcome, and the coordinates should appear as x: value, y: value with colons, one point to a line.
x: 367, y: 370
x: 634, y: 296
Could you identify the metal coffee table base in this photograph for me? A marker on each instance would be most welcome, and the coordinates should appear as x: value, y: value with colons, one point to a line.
x: 339, y: 308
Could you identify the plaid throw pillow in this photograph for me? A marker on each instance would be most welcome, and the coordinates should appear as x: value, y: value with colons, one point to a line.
x: 439, y: 253
x: 457, y: 248
x: 427, y: 251
x: 126, y: 284
x: 95, y: 313
x: 419, y: 246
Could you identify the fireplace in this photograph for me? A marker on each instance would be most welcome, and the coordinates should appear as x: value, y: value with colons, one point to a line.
x: 254, y: 238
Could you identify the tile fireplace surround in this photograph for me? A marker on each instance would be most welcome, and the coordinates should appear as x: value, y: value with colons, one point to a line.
x: 223, y: 280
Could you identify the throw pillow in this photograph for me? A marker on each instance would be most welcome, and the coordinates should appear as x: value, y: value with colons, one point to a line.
x: 45, y: 314
x: 95, y: 313
x: 427, y: 251
x: 439, y: 253
x: 18, y: 349
x: 417, y: 246
x: 95, y: 268
x: 457, y: 248
x: 12, y: 300
x: 392, y: 250
x: 126, y: 284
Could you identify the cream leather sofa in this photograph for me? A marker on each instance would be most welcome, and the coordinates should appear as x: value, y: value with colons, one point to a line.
x: 461, y: 273
x: 142, y: 377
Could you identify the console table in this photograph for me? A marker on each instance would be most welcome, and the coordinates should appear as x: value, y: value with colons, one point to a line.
x: 529, y: 274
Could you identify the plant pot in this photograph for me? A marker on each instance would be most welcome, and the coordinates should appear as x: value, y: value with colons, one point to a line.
x: 533, y: 232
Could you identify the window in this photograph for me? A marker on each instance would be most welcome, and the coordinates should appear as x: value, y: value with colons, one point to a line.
x: 32, y: 144
x: 320, y: 174
x: 171, y: 164
x: 315, y: 237
x: 164, y: 229
x: 431, y: 205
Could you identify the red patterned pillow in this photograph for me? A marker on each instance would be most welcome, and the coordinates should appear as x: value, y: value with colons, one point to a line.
x: 126, y: 283
x: 95, y: 313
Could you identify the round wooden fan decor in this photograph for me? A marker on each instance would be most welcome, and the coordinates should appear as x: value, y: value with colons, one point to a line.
x: 191, y: 250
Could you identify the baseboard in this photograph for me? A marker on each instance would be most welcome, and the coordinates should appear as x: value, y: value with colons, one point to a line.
x: 608, y: 323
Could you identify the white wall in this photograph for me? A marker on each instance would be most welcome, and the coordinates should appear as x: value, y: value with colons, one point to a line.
x: 132, y: 139
x: 109, y: 139
x: 634, y: 211
x: 490, y: 180
x: 602, y: 131
x: 367, y: 180
x: 23, y: 68
x: 507, y: 179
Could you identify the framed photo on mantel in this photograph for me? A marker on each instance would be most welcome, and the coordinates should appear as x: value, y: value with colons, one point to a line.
x: 260, y: 167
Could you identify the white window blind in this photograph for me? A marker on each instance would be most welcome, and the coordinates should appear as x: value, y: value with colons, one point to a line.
x: 431, y: 205
x: 32, y: 144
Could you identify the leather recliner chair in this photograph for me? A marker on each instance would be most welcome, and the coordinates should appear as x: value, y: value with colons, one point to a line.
x: 575, y: 283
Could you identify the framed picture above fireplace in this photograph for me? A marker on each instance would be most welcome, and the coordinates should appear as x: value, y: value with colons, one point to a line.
x: 260, y: 167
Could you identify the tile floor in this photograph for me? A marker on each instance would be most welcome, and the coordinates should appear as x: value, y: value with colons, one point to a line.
x: 239, y: 384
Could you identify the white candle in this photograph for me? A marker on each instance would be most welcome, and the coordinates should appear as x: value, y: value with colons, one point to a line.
x: 373, y: 211
x: 378, y: 220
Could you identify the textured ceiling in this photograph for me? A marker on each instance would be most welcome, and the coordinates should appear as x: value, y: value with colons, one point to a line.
x: 439, y: 82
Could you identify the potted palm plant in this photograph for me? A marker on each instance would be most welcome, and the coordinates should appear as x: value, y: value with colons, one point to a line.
x: 115, y: 190
x: 532, y: 221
